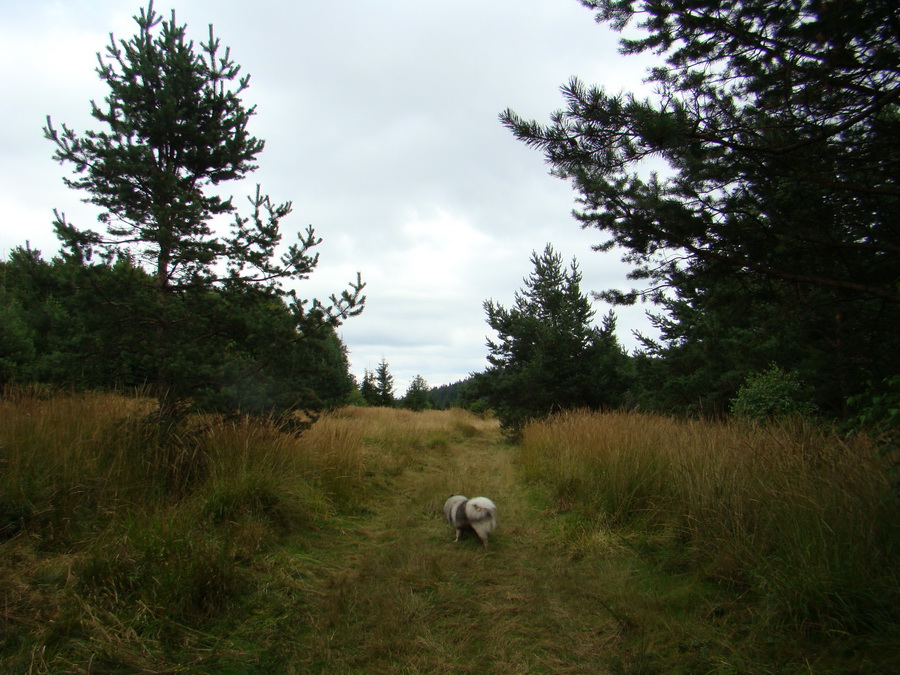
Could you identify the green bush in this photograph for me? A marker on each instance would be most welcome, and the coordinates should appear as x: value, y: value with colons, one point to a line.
x: 771, y: 394
x: 877, y: 413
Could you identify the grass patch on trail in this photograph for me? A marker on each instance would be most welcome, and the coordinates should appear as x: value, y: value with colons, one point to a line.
x: 393, y: 593
x: 329, y: 553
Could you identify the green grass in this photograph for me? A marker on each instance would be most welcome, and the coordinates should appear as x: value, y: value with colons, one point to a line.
x: 626, y: 544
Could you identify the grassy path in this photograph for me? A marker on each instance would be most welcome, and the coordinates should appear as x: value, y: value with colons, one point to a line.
x: 392, y: 593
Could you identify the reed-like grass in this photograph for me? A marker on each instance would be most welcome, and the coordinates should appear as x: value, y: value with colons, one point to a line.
x: 72, y: 462
x: 236, y: 546
x: 108, y: 535
x: 802, y: 519
x: 66, y: 459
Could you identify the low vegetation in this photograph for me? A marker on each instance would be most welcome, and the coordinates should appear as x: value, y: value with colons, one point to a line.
x: 803, y: 522
x: 116, y: 547
x: 627, y: 543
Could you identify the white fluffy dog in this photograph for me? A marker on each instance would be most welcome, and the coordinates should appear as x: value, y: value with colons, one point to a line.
x: 478, y: 514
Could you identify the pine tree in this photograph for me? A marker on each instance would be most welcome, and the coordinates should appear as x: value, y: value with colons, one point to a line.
x: 417, y: 396
x: 548, y: 356
x: 369, y: 388
x: 384, y: 385
x: 779, y: 128
x: 176, y: 130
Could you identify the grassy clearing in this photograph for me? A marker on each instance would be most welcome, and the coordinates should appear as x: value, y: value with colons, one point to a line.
x: 257, y: 551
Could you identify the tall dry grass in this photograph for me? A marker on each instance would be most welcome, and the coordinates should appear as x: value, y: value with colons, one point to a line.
x: 802, y: 518
x: 117, y: 543
x: 67, y: 461
x: 392, y: 439
x: 64, y: 457
x: 70, y: 462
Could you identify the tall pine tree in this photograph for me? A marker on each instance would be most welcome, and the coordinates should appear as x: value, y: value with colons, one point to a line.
x: 175, y: 129
x: 779, y: 125
x: 384, y: 385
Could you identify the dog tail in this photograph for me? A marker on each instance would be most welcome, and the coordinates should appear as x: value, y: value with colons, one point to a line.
x: 480, y: 508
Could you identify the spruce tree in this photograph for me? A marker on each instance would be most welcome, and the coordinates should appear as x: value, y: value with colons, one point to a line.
x: 548, y: 355
x: 384, y: 385
x: 417, y: 396
x: 368, y: 388
x: 174, y: 131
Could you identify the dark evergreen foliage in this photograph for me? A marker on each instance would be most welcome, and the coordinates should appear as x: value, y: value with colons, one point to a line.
x: 84, y: 328
x: 384, y: 385
x: 446, y: 395
x: 417, y: 396
x: 78, y: 321
x: 368, y: 388
x: 474, y: 394
x: 548, y: 356
x: 713, y: 338
x: 174, y: 131
x: 770, y: 234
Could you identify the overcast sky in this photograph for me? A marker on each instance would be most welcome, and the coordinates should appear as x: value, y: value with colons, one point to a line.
x: 381, y: 126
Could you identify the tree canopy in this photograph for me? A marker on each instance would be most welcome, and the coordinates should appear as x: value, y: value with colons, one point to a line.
x: 174, y: 130
x: 779, y: 131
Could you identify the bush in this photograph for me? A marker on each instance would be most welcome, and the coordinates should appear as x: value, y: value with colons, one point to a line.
x: 877, y: 413
x: 771, y: 394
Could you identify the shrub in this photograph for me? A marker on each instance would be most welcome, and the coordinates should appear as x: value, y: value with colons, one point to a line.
x: 771, y: 394
x: 877, y: 412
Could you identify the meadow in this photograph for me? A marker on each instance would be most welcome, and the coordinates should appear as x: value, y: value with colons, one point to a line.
x: 627, y: 543
x: 802, y: 520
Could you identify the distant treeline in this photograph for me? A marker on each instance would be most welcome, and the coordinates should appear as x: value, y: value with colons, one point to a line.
x: 446, y: 395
